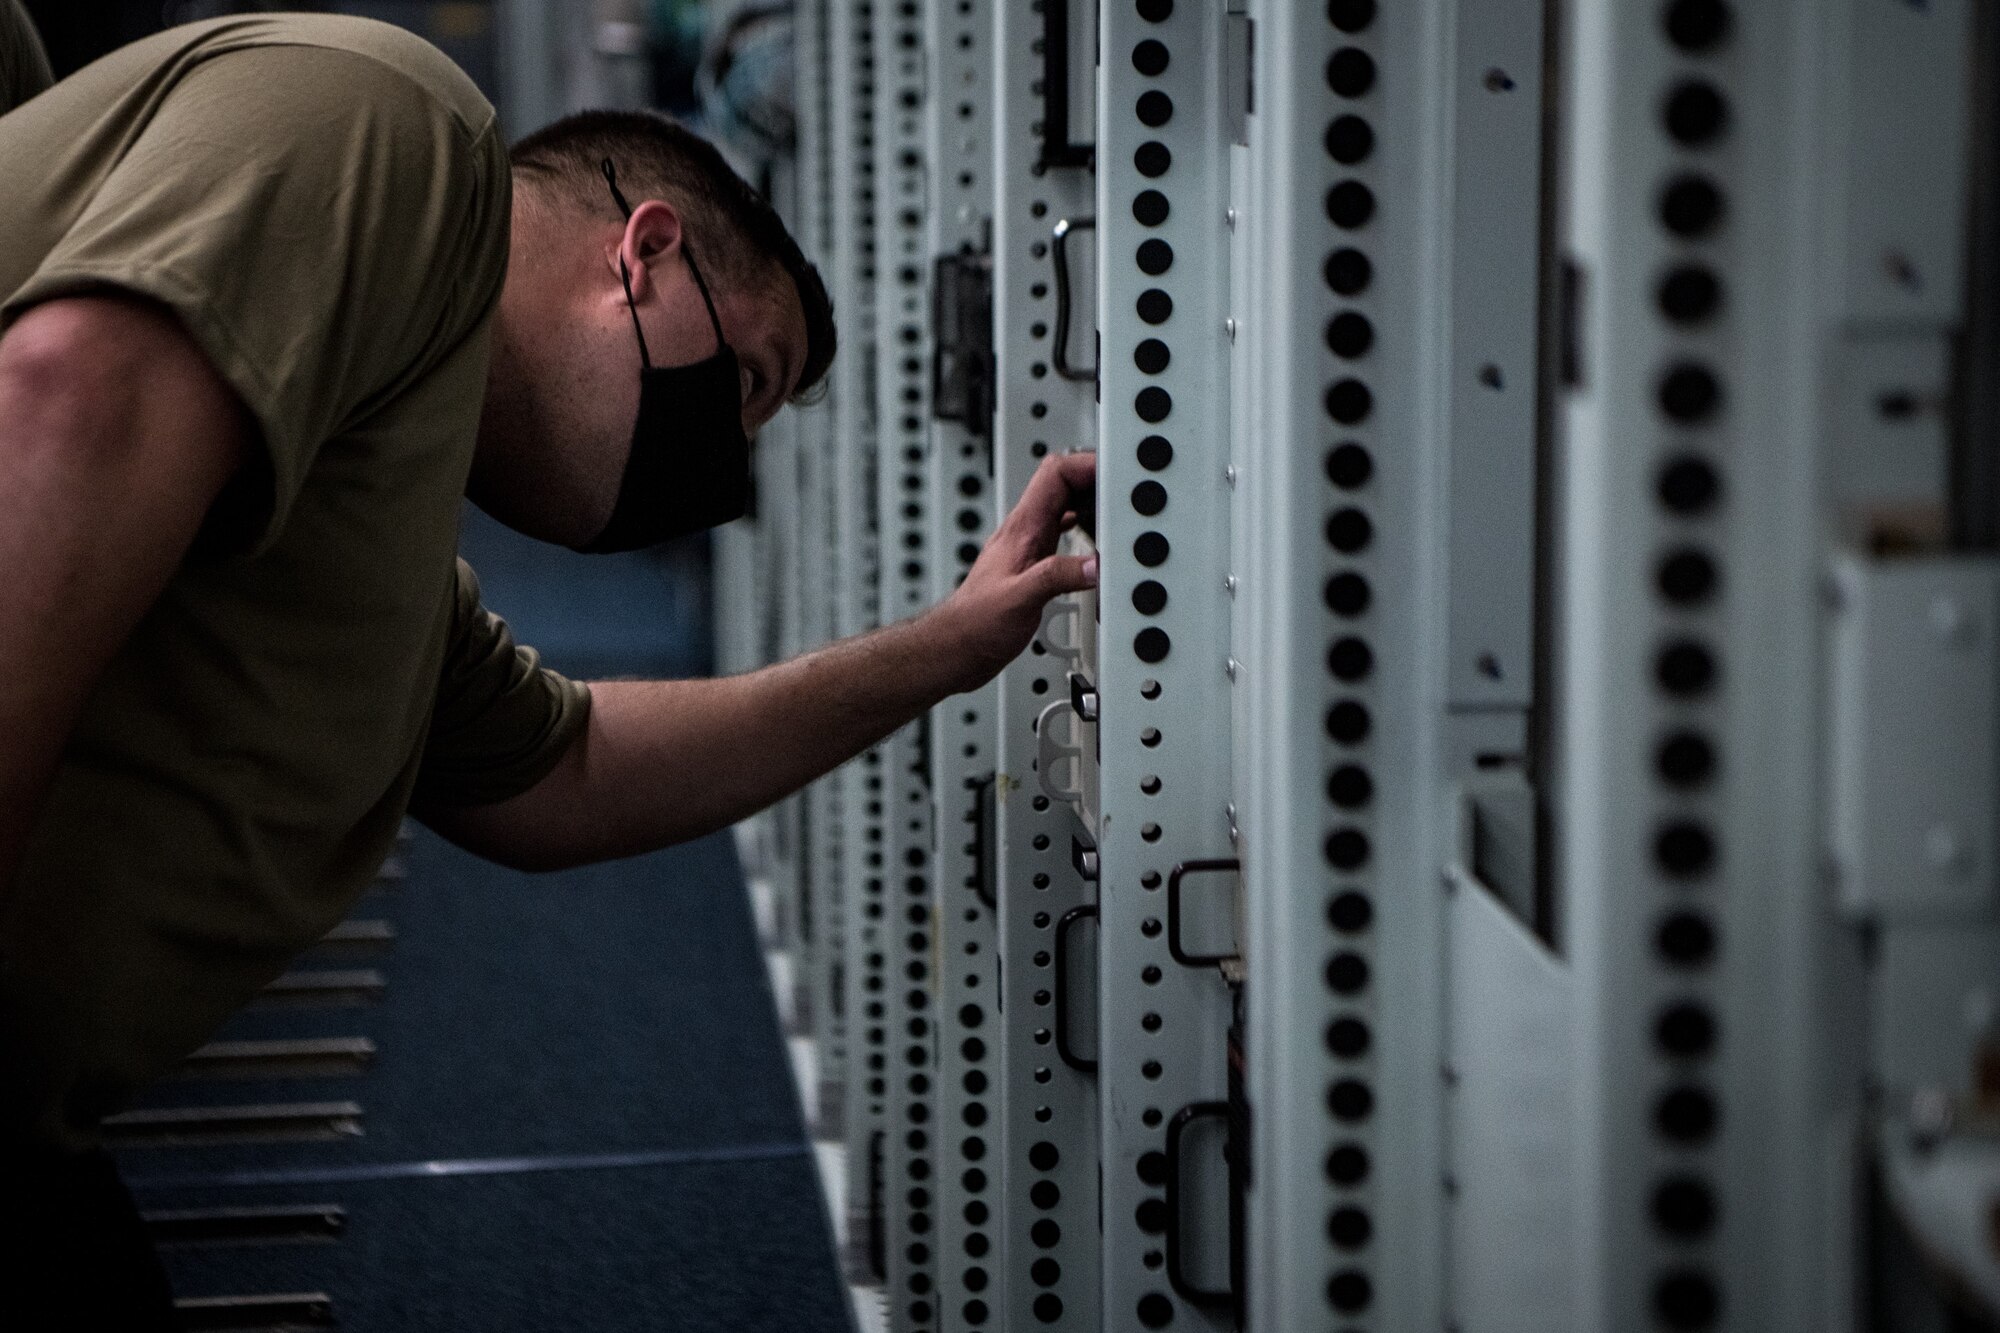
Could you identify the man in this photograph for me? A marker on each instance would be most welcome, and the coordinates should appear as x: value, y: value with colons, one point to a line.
x: 273, y: 297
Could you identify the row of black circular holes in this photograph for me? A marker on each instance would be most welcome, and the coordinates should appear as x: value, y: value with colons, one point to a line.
x: 1350, y: 206
x: 1043, y: 1156
x: 1152, y: 159
x: 1694, y: 115
x: 973, y: 1050
x: 916, y: 883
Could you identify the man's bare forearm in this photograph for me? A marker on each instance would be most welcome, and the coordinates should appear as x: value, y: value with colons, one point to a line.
x: 665, y: 761
x: 115, y: 436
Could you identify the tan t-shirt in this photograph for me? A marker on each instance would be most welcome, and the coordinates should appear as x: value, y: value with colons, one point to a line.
x: 24, y: 65
x: 324, y: 203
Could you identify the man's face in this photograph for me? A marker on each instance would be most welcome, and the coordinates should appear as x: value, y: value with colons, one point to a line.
x: 563, y: 394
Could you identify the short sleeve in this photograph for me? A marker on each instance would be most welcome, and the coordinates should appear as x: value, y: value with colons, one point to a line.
x: 502, y: 720
x: 24, y: 65
x: 324, y: 226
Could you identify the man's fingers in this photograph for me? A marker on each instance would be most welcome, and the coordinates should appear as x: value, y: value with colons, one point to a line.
x: 1058, y: 574
x: 1054, y: 490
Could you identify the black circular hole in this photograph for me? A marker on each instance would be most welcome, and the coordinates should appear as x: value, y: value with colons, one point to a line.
x: 1348, y: 530
x: 1689, y: 294
x: 1347, y: 1165
x: 1152, y: 644
x: 1155, y: 453
x: 1155, y: 306
x: 1156, y: 11
x: 1349, y: 402
x: 1046, y: 1234
x: 1349, y: 139
x: 1685, y: 759
x: 1350, y: 15
x: 1150, y: 58
x: 1150, y: 549
x: 1153, y: 404
x: 1687, y: 1299
x: 1044, y: 1156
x: 1350, y: 787
x: 1347, y: 594
x: 1044, y: 1194
x: 1153, y: 1168
x: 1685, y: 669
x: 1149, y: 598
x: 1685, y: 939
x: 1350, y: 1292
x: 1349, y: 334
x: 1350, y: 204
x: 1349, y: 1228
x: 1155, y: 1310
x: 1347, y: 849
x: 976, y: 1311
x: 1684, y: 849
x: 1045, y: 1271
x: 1347, y: 1038
x: 1152, y: 356
x: 1150, y: 208
x: 1350, y: 659
x: 1695, y: 113
x: 1152, y: 158
x: 1347, y: 973
x: 1685, y: 1030
x: 1686, y: 1114
x: 1154, y: 108
x: 1155, y: 257
x: 1348, y: 271
x: 1689, y: 393
x: 1688, y: 485
x: 1349, y: 466
x: 1697, y: 25
x: 1350, y: 1099
x: 1350, y: 912
x: 1350, y: 71
x: 1348, y: 722
x: 1684, y: 1206
x: 1151, y: 1215
x: 1686, y: 576
x: 1048, y: 1307
x: 1690, y: 206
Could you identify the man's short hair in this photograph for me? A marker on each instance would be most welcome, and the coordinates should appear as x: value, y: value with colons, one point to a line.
x: 658, y: 158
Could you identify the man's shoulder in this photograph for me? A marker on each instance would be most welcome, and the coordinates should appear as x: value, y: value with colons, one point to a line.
x: 393, y: 49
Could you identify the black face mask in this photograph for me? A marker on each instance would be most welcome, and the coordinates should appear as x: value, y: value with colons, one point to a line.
x: 689, y: 468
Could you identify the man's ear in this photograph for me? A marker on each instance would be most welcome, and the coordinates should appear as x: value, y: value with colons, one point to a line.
x: 651, y: 234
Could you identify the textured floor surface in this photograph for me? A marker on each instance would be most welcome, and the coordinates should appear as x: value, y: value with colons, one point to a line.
x: 580, y: 1115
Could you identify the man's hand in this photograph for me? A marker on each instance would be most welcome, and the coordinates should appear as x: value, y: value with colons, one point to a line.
x: 664, y: 761
x: 998, y: 608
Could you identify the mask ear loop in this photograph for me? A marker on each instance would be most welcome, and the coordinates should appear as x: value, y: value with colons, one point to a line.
x: 625, y: 274
x: 706, y: 299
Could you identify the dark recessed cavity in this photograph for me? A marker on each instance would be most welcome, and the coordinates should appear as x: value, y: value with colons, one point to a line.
x: 1347, y: 1038
x: 1689, y: 294
x: 1349, y: 466
x: 1150, y: 58
x: 1690, y: 206
x: 1684, y: 1206
x: 1154, y: 108
x: 1685, y: 759
x: 1686, y: 577
x: 1347, y: 594
x: 1697, y: 26
x: 1349, y: 334
x: 1152, y: 356
x: 1350, y: 659
x: 1350, y: 139
x: 1348, y: 530
x: 1695, y: 113
x: 1153, y: 404
x: 1348, y: 722
x: 1152, y: 158
x: 1150, y: 549
x: 1350, y: 912
x: 1350, y: 72
x: 1348, y: 271
x: 1685, y: 939
x: 1687, y: 1299
x: 1150, y: 208
x: 1689, y: 485
x: 1149, y: 498
x: 1155, y: 257
x: 1685, y: 1030
x: 1689, y: 393
x: 1347, y: 973
x: 1347, y: 849
x: 1155, y: 306
x: 1349, y: 402
x: 1349, y: 786
x: 1155, y: 452
x: 1350, y: 1099
x: 1152, y: 644
x: 1347, y: 1165
x: 1349, y: 205
x: 1685, y: 668
x: 1684, y: 849
x: 1686, y: 1115
x: 1350, y: 15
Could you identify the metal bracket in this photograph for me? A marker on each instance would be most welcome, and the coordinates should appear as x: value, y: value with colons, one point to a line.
x: 1066, y: 301
x: 1176, y: 1276
x: 1069, y: 919
x: 1181, y: 872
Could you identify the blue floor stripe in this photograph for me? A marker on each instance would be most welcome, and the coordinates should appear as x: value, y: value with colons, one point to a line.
x: 474, y: 1166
